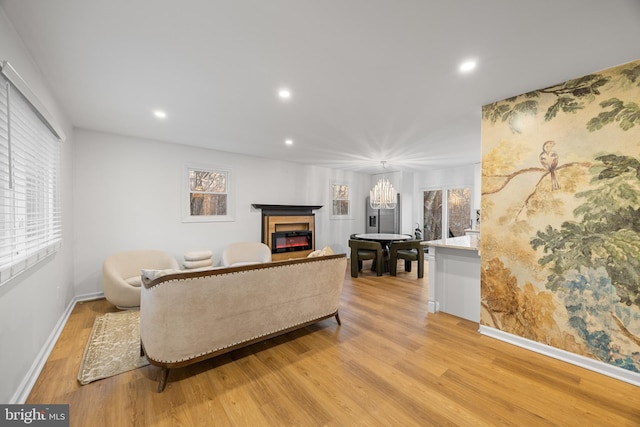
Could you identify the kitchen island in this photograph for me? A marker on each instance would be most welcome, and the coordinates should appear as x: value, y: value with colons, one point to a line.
x: 454, y: 276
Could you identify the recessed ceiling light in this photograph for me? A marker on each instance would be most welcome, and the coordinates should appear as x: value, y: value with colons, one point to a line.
x: 288, y: 141
x: 467, y: 66
x: 160, y: 114
x: 284, y: 93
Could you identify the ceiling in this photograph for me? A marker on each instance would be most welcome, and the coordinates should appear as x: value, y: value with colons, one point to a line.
x: 371, y: 80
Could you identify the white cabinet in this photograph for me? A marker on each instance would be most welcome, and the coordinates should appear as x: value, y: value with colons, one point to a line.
x: 454, y: 277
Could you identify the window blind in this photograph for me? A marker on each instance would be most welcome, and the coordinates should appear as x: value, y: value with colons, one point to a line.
x: 30, y: 211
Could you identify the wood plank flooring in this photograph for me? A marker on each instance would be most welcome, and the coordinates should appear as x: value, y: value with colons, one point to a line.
x: 389, y: 364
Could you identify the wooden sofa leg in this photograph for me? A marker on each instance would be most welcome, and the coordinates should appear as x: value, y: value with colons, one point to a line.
x: 338, y: 319
x: 162, y: 381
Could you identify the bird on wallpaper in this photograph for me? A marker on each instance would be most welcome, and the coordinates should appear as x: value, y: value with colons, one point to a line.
x: 549, y: 159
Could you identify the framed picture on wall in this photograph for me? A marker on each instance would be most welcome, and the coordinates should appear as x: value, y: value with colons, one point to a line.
x: 207, y: 194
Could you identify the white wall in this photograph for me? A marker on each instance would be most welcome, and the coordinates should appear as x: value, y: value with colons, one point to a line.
x: 129, y: 190
x: 31, y: 304
x: 407, y: 224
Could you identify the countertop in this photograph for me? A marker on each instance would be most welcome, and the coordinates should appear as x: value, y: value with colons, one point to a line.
x: 462, y: 242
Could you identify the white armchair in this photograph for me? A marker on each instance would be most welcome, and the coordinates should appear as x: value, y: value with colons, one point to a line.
x: 243, y: 253
x: 122, y: 271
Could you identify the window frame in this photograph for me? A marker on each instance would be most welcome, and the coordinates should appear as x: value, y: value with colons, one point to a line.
x: 442, y: 211
x: 186, y: 194
x: 467, y: 224
x: 445, y: 206
x: 349, y: 200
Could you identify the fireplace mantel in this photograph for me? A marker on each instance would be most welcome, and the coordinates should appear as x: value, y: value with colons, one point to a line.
x: 288, y: 209
x: 287, y: 218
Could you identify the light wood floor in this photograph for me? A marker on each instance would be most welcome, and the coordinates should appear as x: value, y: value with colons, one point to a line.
x: 389, y: 364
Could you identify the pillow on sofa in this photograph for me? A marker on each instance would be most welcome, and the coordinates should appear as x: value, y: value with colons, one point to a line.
x: 321, y: 252
x: 327, y: 250
x: 135, y: 281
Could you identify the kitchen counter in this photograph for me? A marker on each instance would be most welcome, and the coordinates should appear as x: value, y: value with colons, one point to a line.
x: 454, y: 276
x: 462, y: 242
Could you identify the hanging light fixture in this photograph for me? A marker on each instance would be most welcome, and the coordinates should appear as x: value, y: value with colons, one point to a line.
x: 383, y: 195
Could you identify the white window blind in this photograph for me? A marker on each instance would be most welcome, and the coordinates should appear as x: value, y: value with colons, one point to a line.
x: 30, y: 214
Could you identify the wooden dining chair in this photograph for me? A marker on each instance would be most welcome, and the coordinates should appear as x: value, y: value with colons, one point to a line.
x: 409, y: 251
x: 363, y: 250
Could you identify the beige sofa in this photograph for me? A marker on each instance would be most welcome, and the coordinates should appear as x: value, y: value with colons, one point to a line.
x: 186, y: 317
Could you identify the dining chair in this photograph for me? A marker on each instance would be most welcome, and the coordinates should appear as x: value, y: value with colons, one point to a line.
x: 363, y: 250
x: 409, y: 251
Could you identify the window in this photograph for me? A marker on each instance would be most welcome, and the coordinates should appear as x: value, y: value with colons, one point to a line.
x: 341, y: 205
x: 432, y: 209
x: 209, y: 195
x: 30, y: 213
x: 458, y: 211
x: 450, y: 219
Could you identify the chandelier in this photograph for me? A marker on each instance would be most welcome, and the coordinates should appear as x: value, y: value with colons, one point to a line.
x: 383, y: 195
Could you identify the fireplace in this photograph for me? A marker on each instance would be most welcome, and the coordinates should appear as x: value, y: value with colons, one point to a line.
x: 291, y: 241
x: 288, y: 230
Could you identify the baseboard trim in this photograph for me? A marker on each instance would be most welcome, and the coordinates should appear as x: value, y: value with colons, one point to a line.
x: 575, y: 359
x: 25, y: 387
x: 89, y: 297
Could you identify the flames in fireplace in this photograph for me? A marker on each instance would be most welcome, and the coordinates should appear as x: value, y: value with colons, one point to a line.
x: 291, y: 241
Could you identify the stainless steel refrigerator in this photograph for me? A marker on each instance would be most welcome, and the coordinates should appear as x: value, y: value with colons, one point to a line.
x: 382, y: 220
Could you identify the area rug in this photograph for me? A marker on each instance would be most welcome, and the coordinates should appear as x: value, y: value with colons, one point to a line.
x: 113, y: 347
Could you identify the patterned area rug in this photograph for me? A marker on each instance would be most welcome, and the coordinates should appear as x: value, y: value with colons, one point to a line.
x: 113, y: 347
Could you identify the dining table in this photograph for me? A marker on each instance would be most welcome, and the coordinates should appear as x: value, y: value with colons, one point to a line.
x: 385, y: 239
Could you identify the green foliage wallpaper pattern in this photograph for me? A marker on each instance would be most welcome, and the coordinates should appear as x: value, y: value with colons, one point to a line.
x: 562, y: 225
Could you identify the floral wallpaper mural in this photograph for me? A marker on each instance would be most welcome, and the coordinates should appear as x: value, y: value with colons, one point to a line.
x: 560, y: 242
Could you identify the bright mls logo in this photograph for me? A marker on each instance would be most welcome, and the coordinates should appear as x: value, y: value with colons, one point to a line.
x: 37, y: 415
